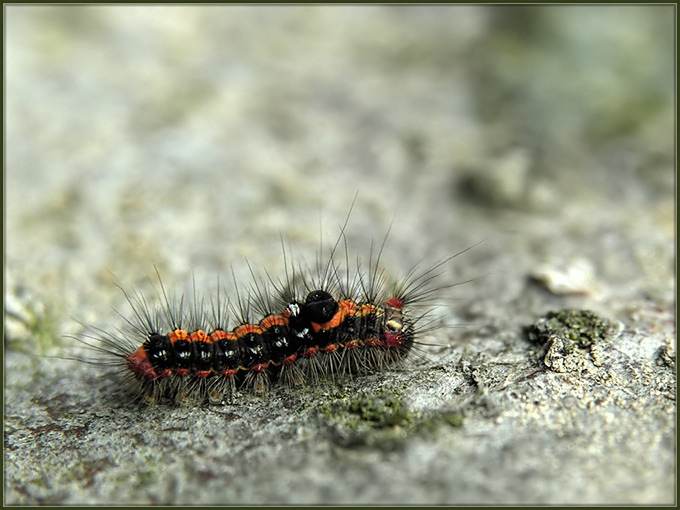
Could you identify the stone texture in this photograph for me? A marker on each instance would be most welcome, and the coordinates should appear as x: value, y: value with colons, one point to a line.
x: 191, y: 137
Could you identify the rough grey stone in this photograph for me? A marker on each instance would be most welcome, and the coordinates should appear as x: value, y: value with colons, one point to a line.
x: 190, y: 138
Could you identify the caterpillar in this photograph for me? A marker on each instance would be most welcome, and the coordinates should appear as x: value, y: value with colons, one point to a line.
x: 311, y: 325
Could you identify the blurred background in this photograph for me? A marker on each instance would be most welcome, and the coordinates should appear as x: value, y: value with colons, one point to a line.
x: 188, y: 137
x: 193, y: 137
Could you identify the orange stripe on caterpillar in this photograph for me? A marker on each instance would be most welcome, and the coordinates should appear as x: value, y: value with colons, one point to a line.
x: 273, y: 320
x: 345, y: 309
x: 178, y: 334
x: 219, y: 334
x: 199, y: 336
x: 247, y: 329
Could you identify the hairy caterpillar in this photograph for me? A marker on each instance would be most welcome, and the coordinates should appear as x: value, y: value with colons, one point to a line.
x: 313, y: 324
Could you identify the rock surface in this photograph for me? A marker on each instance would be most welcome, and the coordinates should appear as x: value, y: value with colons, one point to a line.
x: 192, y: 138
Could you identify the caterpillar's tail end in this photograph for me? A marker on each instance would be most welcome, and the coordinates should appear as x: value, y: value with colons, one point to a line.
x: 139, y: 364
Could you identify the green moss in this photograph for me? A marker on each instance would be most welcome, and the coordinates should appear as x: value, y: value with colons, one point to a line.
x: 380, y: 412
x: 145, y: 478
x: 572, y: 339
x: 435, y: 421
x: 578, y: 329
x: 381, y: 420
x: 452, y: 419
x: 39, y: 482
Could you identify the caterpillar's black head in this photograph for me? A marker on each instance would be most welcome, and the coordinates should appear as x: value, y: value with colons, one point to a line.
x: 320, y: 307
